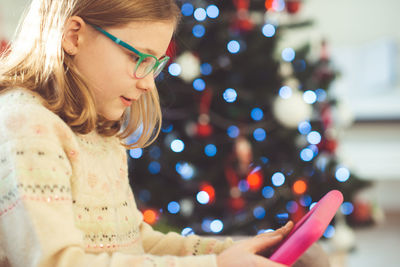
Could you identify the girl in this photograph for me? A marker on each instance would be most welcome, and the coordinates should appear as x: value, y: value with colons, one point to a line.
x: 76, y: 82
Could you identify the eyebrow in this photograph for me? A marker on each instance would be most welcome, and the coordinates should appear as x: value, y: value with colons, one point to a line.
x: 149, y: 51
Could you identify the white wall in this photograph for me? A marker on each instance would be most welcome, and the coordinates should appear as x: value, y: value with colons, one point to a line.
x: 364, y: 39
x: 10, y: 12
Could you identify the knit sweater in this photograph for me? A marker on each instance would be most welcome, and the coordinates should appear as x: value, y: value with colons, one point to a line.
x: 65, y: 198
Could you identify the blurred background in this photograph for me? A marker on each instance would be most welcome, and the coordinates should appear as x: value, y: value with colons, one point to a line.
x: 267, y: 106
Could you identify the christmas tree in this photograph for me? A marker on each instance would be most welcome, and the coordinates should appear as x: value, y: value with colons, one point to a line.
x: 248, y: 136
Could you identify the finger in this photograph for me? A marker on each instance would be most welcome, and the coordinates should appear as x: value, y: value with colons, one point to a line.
x: 284, y: 230
x: 262, y: 262
x: 264, y: 241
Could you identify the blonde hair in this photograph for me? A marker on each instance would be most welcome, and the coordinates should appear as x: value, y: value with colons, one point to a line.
x: 37, y: 62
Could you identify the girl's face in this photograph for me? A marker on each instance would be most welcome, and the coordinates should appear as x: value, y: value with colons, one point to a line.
x: 109, y: 67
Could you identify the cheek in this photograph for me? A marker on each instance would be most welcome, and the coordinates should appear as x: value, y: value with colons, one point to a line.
x: 104, y: 70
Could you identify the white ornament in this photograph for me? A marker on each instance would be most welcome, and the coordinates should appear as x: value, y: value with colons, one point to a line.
x: 344, y: 239
x: 186, y: 207
x: 292, y: 83
x: 286, y: 69
x: 190, y: 65
x: 291, y: 111
x: 342, y: 115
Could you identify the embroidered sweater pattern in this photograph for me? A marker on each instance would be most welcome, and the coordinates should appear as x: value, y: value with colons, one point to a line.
x: 65, y: 198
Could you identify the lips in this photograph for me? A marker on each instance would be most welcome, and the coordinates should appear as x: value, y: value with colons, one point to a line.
x: 126, y: 101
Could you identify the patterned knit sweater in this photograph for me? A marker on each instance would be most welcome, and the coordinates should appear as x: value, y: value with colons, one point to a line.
x: 65, y: 198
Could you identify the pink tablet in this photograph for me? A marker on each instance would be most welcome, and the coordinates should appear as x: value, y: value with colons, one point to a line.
x: 309, y: 229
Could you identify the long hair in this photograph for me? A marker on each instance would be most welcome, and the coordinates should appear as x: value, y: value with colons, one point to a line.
x: 37, y: 62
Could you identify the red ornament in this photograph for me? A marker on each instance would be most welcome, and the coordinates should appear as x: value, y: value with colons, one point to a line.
x: 362, y: 213
x: 293, y: 6
x: 300, y: 212
x: 328, y: 145
x: 209, y: 189
x: 204, y: 130
x: 255, y: 179
x: 237, y: 203
x: 4, y: 45
x: 172, y: 50
x: 242, y: 21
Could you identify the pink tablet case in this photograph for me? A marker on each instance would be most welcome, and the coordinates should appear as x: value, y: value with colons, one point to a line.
x: 309, y: 229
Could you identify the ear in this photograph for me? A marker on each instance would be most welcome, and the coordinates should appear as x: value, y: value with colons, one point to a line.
x: 73, y: 34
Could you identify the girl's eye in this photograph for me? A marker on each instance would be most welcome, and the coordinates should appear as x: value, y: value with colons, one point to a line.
x: 135, y: 57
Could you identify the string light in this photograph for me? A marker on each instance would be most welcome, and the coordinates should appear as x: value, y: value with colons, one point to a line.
x: 347, y: 208
x: 210, y: 150
x: 292, y: 206
x: 230, y: 95
x: 259, y: 212
x: 177, y: 146
x: 285, y: 92
x: 268, y: 30
x: 150, y: 216
x: 288, y: 54
x: 167, y: 129
x: 216, y: 226
x: 173, y: 207
x: 199, y: 84
x: 233, y: 131
x: 212, y: 11
x: 205, y: 225
x: 310, y: 97
x: 304, y: 127
x: 314, y: 137
x: 321, y: 95
x: 136, y: 153
x: 233, y: 47
x: 306, y: 154
x: 200, y: 14
x: 206, y: 69
x: 259, y: 134
x: 199, y: 31
x: 174, y: 69
x: 187, y: 9
x: 278, y: 179
x: 312, y: 205
x: 154, y: 167
x: 268, y: 192
x: 299, y: 187
x: 203, y: 197
x: 329, y: 232
x: 209, y: 189
x: 257, y: 114
x: 254, y: 179
x: 185, y: 170
x: 187, y: 231
x: 305, y: 200
x: 342, y: 174
x: 243, y: 186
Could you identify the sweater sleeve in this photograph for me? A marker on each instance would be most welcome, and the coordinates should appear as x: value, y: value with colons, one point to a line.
x: 157, y: 243
x: 37, y: 226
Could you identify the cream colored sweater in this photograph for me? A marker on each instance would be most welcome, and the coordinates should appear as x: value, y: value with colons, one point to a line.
x: 65, y: 198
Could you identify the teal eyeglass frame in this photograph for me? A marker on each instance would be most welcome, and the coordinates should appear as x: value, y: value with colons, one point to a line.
x: 158, y: 65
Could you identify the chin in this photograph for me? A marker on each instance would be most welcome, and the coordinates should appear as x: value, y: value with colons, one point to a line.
x: 112, y: 117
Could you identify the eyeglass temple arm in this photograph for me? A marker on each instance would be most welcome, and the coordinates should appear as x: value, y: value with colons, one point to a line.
x: 117, y: 40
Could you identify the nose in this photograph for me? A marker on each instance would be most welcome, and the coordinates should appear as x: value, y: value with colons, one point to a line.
x: 146, y: 83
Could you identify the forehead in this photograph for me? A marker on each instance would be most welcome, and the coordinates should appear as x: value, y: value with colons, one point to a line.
x: 148, y: 37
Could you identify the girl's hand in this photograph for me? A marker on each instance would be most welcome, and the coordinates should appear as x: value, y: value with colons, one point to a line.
x: 243, y: 253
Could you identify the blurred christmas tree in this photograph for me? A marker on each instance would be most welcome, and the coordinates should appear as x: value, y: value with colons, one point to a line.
x: 248, y: 138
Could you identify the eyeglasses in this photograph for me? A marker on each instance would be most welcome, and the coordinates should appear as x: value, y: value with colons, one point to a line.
x: 145, y: 63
